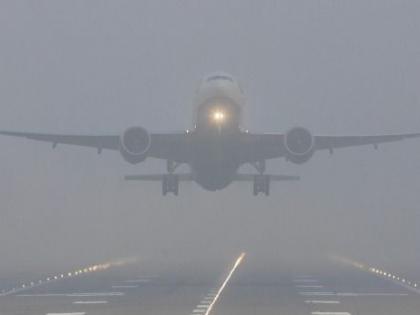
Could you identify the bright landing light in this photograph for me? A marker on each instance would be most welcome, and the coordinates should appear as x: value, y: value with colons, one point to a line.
x: 218, y: 116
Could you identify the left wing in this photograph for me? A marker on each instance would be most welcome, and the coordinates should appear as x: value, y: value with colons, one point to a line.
x: 333, y: 142
x: 258, y: 147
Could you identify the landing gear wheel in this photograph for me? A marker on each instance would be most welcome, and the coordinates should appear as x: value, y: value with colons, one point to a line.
x: 170, y: 183
x: 261, y: 184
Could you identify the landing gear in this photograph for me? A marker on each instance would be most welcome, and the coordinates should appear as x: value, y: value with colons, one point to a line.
x: 261, y: 184
x: 259, y: 166
x: 170, y: 184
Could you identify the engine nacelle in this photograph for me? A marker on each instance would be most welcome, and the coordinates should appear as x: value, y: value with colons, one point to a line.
x: 299, y: 144
x: 134, y: 144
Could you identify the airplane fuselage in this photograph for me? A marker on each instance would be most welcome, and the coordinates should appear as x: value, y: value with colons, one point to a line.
x: 218, y: 112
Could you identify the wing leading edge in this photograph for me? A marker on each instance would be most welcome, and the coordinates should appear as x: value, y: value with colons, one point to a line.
x: 333, y: 142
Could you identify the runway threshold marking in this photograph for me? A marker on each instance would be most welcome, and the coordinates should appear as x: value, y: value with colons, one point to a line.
x: 316, y: 293
x: 351, y: 294
x: 141, y: 280
x: 318, y: 286
x: 305, y: 280
x: 322, y: 302
x: 90, y: 302
x: 93, y: 294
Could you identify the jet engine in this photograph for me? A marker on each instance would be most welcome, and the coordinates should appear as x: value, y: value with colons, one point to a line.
x: 134, y: 144
x: 299, y: 144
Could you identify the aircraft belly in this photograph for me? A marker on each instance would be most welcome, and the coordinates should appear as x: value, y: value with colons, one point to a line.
x: 215, y: 165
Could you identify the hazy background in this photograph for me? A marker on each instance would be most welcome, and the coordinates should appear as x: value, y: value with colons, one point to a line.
x: 336, y: 67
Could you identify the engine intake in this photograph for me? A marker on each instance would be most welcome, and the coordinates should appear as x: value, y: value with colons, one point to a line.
x: 299, y: 144
x: 135, y: 143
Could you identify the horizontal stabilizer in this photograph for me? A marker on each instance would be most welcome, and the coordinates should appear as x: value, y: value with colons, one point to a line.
x: 189, y: 177
x: 273, y: 177
x: 158, y: 177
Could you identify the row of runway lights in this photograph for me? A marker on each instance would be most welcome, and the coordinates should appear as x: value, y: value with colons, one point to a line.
x: 393, y: 277
x: 79, y: 272
x: 377, y: 271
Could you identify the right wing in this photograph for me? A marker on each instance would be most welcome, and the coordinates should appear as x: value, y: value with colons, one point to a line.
x: 98, y: 142
x: 169, y: 146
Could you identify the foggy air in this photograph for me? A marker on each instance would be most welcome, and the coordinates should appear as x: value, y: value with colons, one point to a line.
x: 209, y: 157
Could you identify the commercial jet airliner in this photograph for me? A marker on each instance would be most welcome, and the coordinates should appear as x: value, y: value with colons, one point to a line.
x: 217, y: 145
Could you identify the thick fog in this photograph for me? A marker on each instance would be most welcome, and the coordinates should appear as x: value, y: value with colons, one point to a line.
x: 98, y: 67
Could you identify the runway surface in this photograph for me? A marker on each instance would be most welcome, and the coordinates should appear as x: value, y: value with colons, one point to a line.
x: 126, y: 290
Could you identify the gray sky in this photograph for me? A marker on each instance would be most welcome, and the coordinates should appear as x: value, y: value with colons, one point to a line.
x: 336, y: 67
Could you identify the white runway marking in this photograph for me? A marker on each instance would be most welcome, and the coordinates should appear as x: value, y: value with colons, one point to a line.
x: 318, y: 286
x: 79, y: 313
x: 350, y: 294
x: 90, y: 302
x: 207, y: 303
x: 125, y: 286
x: 315, y: 293
x: 370, y: 294
x: 331, y: 313
x: 93, y: 294
x: 322, y: 302
x: 305, y: 280
x: 141, y: 280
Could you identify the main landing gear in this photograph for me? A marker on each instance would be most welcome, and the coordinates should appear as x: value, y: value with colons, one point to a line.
x: 170, y: 184
x: 261, y: 181
x: 261, y: 184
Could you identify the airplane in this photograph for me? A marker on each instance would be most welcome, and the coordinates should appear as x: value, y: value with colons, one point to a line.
x: 217, y: 145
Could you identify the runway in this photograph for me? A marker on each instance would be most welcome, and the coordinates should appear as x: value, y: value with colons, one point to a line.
x: 126, y: 290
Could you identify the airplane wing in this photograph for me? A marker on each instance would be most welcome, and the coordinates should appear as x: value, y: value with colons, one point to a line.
x: 269, y: 146
x: 332, y: 142
x: 172, y: 146
x: 98, y: 142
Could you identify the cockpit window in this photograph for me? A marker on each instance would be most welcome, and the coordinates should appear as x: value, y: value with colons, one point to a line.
x: 219, y: 77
